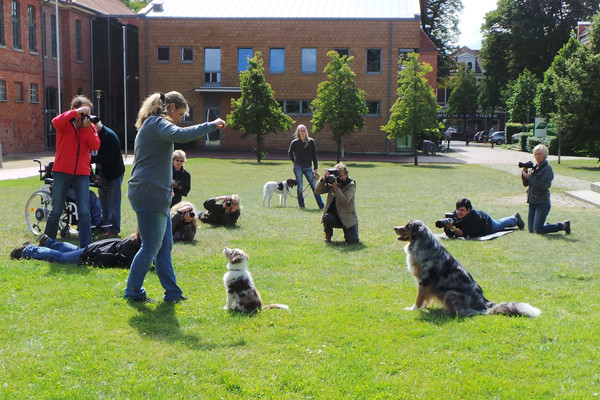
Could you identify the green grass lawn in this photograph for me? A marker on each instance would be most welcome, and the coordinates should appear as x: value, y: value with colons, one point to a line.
x: 66, y: 332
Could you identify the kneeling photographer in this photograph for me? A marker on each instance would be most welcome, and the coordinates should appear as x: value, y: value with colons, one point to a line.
x: 183, y: 221
x: 340, y: 208
x: 468, y: 222
x: 221, y: 211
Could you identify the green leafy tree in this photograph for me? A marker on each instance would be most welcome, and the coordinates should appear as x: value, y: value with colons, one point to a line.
x: 521, y: 103
x: 463, y: 99
x: 339, y: 102
x: 135, y: 5
x: 439, y: 19
x: 576, y: 90
x: 256, y: 111
x: 415, y: 111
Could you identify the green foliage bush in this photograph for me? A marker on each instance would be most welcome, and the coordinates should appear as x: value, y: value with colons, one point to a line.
x: 514, y: 127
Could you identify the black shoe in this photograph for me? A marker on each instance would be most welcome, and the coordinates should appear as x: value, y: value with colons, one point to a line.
x: 520, y: 223
x: 177, y: 300
x: 567, y: 225
x: 143, y: 299
x: 43, y: 239
x: 17, y: 252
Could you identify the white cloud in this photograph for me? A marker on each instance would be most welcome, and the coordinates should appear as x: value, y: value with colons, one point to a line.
x: 471, y: 19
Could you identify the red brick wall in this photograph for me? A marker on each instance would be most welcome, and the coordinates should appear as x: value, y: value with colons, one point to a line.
x: 293, y: 35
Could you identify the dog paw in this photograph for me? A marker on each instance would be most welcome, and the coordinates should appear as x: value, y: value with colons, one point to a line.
x: 411, y: 308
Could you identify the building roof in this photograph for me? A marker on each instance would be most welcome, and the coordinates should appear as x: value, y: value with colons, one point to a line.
x: 284, y: 9
x: 106, y: 7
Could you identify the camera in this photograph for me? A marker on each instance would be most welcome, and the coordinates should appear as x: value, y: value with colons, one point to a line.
x: 441, y: 223
x: 192, y: 213
x: 528, y: 164
x: 93, y: 118
x: 228, y: 203
x: 334, y: 173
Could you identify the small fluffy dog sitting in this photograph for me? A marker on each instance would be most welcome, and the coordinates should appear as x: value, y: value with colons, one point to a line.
x: 282, y: 188
x: 442, y: 278
x: 242, y: 295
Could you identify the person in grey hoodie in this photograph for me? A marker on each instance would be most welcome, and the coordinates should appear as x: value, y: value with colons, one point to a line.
x: 150, y: 187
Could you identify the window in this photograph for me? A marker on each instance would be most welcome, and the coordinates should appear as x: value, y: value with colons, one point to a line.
x: 212, y: 66
x: 163, y: 54
x: 188, y: 119
x: 2, y: 40
x: 186, y: 55
x: 309, y: 61
x: 53, y: 36
x: 78, y: 41
x: 33, y: 93
x: 16, y: 24
x: 277, y: 61
x: 343, y: 52
x: 3, y: 96
x: 373, y: 108
x: 31, y: 19
x: 296, y: 107
x: 373, y: 61
x: 243, y: 55
x: 403, y: 55
x: 19, y: 92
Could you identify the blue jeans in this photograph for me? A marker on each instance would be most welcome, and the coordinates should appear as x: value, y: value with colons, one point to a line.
x: 502, y: 223
x: 331, y: 221
x: 81, y: 188
x: 536, y: 218
x: 157, y: 241
x: 60, y: 252
x: 300, y: 173
x: 110, y: 198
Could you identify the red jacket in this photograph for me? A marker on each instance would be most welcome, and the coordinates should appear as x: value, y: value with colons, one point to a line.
x: 73, y: 145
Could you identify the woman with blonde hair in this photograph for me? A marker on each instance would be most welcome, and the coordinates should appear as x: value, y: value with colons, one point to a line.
x: 303, y: 153
x: 184, y: 221
x: 538, y: 180
x: 182, y: 180
x: 221, y: 211
x: 151, y: 185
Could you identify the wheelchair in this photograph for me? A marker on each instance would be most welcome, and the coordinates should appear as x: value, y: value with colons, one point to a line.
x: 39, y: 205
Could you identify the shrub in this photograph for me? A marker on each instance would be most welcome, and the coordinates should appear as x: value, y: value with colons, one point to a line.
x: 512, y: 128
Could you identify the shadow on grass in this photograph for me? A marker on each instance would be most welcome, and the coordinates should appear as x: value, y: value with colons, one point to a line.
x: 57, y: 269
x: 438, y: 316
x: 347, y: 247
x: 161, y: 324
x: 263, y: 162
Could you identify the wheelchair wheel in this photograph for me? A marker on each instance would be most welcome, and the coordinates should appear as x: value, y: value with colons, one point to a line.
x: 37, y: 210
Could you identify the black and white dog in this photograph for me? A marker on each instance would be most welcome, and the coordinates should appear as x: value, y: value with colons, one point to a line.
x: 242, y: 295
x: 282, y: 188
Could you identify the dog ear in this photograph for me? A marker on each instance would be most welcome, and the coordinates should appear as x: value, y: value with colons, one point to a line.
x: 238, y: 256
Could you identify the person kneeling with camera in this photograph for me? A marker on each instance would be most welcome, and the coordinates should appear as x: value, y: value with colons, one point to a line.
x: 468, y: 222
x: 340, y: 208
x: 221, y: 211
x: 183, y: 221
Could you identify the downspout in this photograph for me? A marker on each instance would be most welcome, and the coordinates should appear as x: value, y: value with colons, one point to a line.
x: 92, y: 20
x: 147, y: 57
x: 44, y: 72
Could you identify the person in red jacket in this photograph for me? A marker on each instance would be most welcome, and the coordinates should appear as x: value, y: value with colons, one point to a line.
x: 75, y: 137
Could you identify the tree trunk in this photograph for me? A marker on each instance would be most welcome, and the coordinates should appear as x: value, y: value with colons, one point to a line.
x: 414, y: 145
x: 339, y: 148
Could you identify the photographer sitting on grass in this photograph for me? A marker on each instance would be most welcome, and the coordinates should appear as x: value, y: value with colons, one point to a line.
x: 340, y: 209
x: 183, y: 221
x: 468, y: 222
x: 221, y: 211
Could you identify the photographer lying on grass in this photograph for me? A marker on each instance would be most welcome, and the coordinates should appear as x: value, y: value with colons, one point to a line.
x: 468, y: 222
x: 221, y: 211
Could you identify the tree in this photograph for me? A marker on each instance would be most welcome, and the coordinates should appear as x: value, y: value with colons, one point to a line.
x: 463, y: 99
x: 574, y: 86
x: 339, y: 102
x: 439, y: 19
x: 521, y: 104
x: 256, y: 111
x: 135, y: 5
x: 415, y: 111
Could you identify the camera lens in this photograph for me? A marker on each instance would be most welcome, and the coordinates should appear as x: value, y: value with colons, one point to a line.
x: 228, y: 203
x: 192, y: 214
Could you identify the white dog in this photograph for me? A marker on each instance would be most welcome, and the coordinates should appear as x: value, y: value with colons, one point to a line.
x: 242, y: 295
x: 282, y: 188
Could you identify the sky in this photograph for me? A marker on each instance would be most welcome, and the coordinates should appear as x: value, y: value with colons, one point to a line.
x: 471, y: 18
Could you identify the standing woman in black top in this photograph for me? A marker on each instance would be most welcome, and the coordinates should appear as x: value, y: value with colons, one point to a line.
x: 303, y: 153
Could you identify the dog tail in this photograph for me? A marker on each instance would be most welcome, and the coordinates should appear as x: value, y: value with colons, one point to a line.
x: 280, y: 306
x: 514, y: 309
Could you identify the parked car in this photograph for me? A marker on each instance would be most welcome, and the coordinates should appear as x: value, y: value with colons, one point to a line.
x: 516, y: 137
x: 480, y: 136
x: 498, y: 137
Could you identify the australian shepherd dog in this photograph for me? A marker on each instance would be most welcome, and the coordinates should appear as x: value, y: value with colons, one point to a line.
x: 443, y: 279
x: 242, y: 295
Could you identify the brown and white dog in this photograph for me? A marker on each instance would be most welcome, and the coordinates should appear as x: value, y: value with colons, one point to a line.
x: 443, y: 279
x: 242, y: 295
x: 281, y: 188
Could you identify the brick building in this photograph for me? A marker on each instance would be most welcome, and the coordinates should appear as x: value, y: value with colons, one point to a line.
x: 198, y: 47
x: 32, y: 42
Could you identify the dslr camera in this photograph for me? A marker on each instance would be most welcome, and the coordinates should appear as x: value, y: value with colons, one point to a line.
x: 93, y: 118
x: 449, y: 219
x: 192, y: 213
x: 334, y: 173
x: 528, y: 164
x: 228, y: 203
